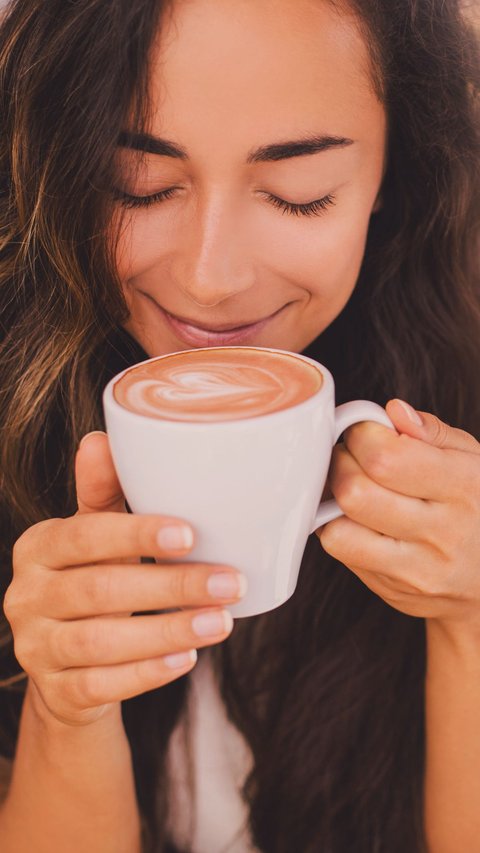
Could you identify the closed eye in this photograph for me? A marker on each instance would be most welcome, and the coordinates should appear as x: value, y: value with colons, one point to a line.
x: 128, y: 200
x: 311, y: 208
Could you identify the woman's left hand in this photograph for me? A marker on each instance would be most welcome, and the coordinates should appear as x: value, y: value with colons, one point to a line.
x: 411, y: 530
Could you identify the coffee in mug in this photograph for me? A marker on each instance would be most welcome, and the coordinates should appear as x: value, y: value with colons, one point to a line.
x: 237, y: 441
x: 221, y: 384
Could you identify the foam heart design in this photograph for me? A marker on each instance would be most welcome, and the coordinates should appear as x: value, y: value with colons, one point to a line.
x: 195, y: 385
x: 216, y: 385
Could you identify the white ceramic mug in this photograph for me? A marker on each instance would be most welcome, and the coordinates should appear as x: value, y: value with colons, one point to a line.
x: 250, y: 488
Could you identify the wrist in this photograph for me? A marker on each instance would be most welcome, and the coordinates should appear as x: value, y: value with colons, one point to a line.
x: 108, y: 722
x: 454, y: 640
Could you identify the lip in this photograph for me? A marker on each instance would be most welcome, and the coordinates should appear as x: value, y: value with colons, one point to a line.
x: 199, y: 336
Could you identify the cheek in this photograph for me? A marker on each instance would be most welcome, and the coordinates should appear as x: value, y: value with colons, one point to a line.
x: 143, y: 242
x: 325, y: 256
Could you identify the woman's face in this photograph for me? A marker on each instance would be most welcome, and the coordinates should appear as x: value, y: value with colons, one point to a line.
x: 266, y: 107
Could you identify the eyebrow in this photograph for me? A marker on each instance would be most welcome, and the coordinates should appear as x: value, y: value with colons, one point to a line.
x: 265, y: 153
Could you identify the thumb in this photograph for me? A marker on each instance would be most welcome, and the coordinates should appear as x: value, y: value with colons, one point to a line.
x: 429, y: 428
x: 98, y: 487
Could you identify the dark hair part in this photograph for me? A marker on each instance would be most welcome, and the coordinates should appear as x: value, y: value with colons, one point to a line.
x: 328, y: 689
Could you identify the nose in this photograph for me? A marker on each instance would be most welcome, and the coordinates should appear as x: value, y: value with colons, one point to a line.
x: 214, y: 262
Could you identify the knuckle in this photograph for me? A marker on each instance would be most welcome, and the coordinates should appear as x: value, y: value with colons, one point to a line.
x: 26, y: 650
x: 355, y: 434
x: 433, y: 528
x: 101, y: 494
x: 11, y: 603
x: 38, y: 539
x: 144, y: 534
x: 151, y: 673
x: 37, y: 542
x: 137, y: 533
x: 97, y: 588
x: 82, y: 644
x: 72, y: 695
x: 328, y: 537
x: 149, y: 670
x: 65, y: 644
x: 29, y: 544
x: 455, y: 540
x: 87, y: 688
x: 447, y: 532
x: 426, y: 586
x: 178, y: 586
x: 77, y: 533
x: 379, y: 465
x: 174, y: 632
x: 55, y: 645
x: 22, y: 599
x: 181, y: 586
x: 418, y: 586
x: 439, y: 432
x: 350, y: 492
x: 21, y: 550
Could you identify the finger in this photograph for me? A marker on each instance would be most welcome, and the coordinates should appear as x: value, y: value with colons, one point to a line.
x: 111, y: 640
x: 409, y: 465
x: 429, y: 428
x: 90, y: 538
x: 355, y: 545
x: 380, y: 509
x: 98, y: 487
x: 91, y: 687
x: 100, y: 590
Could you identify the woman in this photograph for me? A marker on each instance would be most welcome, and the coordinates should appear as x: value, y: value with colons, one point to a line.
x: 170, y: 172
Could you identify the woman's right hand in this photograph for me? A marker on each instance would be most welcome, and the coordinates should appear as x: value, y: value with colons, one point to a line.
x: 76, y: 582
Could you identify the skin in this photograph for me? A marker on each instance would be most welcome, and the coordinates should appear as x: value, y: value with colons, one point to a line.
x: 218, y: 252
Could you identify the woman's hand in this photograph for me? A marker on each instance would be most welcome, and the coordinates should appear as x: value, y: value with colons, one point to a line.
x: 76, y: 583
x: 411, y: 530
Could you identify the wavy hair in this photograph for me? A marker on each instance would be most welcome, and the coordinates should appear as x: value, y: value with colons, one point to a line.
x: 328, y: 689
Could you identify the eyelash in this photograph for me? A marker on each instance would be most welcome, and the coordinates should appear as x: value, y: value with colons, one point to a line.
x: 311, y: 208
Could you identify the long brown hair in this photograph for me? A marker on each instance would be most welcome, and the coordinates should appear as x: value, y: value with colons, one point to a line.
x: 328, y: 689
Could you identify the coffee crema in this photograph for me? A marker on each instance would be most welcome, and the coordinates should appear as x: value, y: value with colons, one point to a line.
x: 217, y: 384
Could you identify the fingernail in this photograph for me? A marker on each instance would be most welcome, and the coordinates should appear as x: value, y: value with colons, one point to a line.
x: 88, y: 434
x: 227, y: 585
x: 410, y: 412
x: 181, y: 660
x: 175, y: 537
x: 212, y: 624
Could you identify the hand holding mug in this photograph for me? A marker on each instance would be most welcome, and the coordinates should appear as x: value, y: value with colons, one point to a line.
x: 76, y: 583
x: 411, y: 529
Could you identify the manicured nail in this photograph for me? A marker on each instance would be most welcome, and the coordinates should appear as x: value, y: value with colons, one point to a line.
x: 181, y: 660
x: 88, y: 434
x: 212, y: 624
x: 227, y: 585
x: 175, y: 537
x: 410, y: 412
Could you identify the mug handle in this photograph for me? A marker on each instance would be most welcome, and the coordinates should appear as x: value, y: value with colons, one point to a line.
x: 346, y: 415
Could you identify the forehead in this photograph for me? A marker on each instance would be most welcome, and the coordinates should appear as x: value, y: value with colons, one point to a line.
x: 250, y: 68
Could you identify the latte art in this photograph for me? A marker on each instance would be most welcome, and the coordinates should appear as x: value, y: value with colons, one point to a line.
x: 217, y: 384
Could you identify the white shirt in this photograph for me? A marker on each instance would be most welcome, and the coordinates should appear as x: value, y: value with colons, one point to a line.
x: 208, y: 761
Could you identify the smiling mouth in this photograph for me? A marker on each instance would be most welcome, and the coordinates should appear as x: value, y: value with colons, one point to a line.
x: 230, y: 327
x: 215, y: 329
